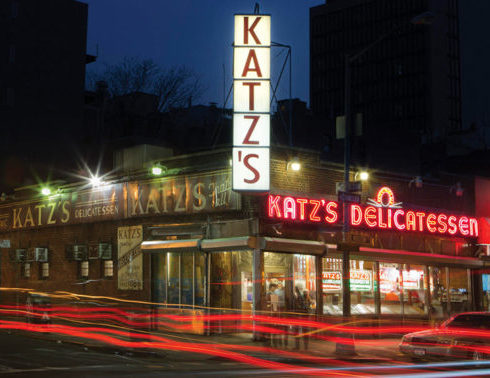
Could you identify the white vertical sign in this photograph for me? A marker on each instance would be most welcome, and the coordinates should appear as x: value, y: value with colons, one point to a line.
x: 251, y: 103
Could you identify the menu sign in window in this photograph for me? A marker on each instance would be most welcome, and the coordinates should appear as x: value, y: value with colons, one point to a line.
x: 360, y: 280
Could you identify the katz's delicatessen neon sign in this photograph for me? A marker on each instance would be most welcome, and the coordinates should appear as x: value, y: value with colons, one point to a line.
x: 382, y: 213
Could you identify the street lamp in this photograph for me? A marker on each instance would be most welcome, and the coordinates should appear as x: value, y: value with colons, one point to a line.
x: 425, y: 18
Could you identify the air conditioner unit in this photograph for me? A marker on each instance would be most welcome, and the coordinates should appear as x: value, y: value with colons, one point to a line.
x: 20, y: 255
x: 79, y: 252
x: 41, y: 254
x: 105, y: 251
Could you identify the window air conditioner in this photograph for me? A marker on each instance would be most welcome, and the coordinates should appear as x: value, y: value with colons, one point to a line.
x: 20, y: 255
x: 41, y: 254
x: 105, y: 251
x: 79, y: 252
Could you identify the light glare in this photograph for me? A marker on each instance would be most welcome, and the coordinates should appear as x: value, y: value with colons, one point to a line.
x: 364, y: 176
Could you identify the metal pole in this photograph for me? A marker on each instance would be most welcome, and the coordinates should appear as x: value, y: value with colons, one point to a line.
x: 257, y: 270
x: 290, y: 99
x: 345, y: 254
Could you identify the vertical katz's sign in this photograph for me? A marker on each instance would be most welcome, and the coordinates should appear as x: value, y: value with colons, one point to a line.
x: 129, y: 258
x: 251, y: 103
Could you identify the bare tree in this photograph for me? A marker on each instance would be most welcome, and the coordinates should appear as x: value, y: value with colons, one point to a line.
x: 173, y: 87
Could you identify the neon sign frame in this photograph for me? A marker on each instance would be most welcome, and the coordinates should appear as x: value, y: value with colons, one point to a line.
x: 378, y: 215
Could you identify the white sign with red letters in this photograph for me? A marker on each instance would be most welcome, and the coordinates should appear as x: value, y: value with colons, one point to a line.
x: 251, y: 103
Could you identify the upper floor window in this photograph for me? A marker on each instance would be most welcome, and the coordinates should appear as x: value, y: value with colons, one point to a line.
x: 15, y: 9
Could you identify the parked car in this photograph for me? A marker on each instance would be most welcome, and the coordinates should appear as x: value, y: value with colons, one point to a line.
x: 465, y: 335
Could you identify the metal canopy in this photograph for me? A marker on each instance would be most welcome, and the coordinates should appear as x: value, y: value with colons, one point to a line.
x: 309, y: 247
x: 409, y: 257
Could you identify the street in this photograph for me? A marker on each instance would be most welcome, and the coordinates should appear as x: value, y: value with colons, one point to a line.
x: 24, y: 355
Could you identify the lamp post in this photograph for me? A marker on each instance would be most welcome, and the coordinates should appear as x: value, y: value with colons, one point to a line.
x: 425, y: 18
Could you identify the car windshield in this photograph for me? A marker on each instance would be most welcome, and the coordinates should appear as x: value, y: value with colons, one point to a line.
x: 478, y: 321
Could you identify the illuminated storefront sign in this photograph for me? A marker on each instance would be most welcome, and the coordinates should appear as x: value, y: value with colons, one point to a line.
x: 382, y: 214
x: 251, y: 103
x: 360, y: 280
x: 185, y: 194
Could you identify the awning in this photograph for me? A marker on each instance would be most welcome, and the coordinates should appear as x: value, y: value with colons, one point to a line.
x: 171, y: 245
x: 409, y: 257
x: 237, y: 243
x: 309, y: 247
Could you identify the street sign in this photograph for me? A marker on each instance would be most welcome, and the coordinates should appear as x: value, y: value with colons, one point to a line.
x: 354, y: 186
x: 5, y: 243
x: 349, y: 197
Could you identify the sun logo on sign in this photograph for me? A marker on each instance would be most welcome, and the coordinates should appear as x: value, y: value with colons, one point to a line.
x: 385, y: 198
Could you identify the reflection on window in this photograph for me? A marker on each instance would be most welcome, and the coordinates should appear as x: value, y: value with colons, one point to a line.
x: 458, y: 290
x: 173, y: 268
x: 361, y: 287
x: 414, y: 290
x: 332, y: 286
x: 438, y: 292
x: 390, y: 283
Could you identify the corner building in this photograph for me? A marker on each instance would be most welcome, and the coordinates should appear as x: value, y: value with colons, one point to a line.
x: 186, y: 241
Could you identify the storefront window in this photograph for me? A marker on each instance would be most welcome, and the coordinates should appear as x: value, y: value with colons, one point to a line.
x: 221, y: 280
x: 200, y: 282
x: 187, y: 265
x: 159, y: 288
x: 332, y: 286
x: 486, y: 291
x: 173, y: 274
x: 279, y: 282
x: 390, y: 284
x: 438, y: 292
x: 458, y: 290
x: 362, y: 287
x: 290, y: 282
x: 414, y: 286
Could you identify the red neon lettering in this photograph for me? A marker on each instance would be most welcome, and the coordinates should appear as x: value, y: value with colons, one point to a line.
x: 313, y: 216
x: 369, y: 215
x: 463, y: 226
x: 302, y: 202
x: 441, y: 219
x: 421, y: 216
x: 256, y: 67
x: 452, y: 229
x: 251, y: 129
x: 252, y: 169
x: 251, y: 101
x: 431, y: 222
x: 331, y: 209
x: 410, y: 220
x: 250, y: 30
x: 398, y: 225
x: 389, y: 218
x: 473, y: 227
x: 273, y: 206
x: 289, y: 208
x: 380, y: 218
x: 355, y: 215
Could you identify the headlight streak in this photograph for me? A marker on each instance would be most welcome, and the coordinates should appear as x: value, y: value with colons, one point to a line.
x: 212, y: 350
x: 130, y: 319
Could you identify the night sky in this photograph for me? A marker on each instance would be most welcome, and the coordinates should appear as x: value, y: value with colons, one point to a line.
x: 198, y: 34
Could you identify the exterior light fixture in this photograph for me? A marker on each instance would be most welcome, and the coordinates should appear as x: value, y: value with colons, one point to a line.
x: 417, y: 182
x: 45, y: 191
x: 363, y: 175
x: 158, y: 170
x: 457, y: 189
x: 95, y: 181
x: 294, y: 165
